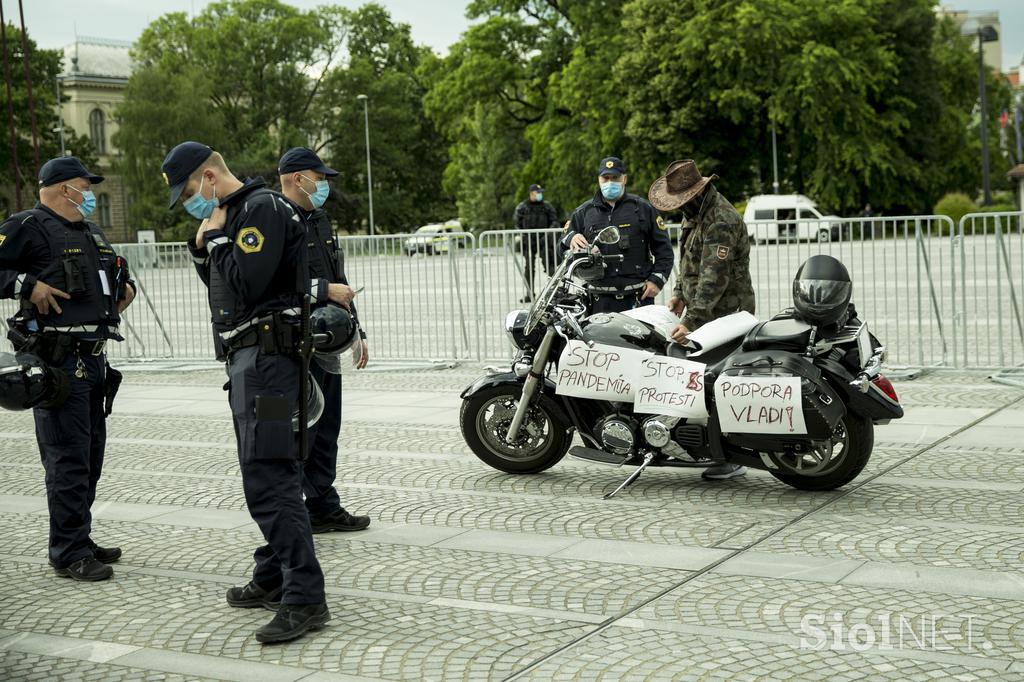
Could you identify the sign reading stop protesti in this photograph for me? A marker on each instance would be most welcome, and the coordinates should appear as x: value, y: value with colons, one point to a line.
x: 671, y: 386
x: 760, y: 405
x: 600, y: 372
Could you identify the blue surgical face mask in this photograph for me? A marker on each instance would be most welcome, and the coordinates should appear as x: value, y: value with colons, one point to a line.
x: 320, y: 194
x: 611, y: 190
x: 198, y: 206
x: 88, y: 204
x: 540, y: 197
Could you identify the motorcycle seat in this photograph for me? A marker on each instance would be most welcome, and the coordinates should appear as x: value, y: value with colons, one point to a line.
x: 711, y: 358
x: 781, y: 334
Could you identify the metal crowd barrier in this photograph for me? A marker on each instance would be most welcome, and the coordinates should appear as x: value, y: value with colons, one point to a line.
x: 937, y: 294
x: 988, y: 249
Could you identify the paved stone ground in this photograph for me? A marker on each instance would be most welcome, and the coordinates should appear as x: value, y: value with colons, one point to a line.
x: 470, y: 574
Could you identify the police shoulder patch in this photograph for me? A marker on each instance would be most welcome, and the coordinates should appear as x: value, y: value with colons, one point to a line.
x: 250, y: 240
x: 3, y: 238
x: 661, y: 223
x: 723, y: 252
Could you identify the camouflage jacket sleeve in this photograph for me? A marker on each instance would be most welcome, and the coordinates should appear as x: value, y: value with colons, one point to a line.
x: 717, y: 252
x: 684, y: 235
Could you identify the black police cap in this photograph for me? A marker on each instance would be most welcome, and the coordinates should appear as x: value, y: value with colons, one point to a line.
x: 300, y: 159
x: 611, y: 165
x: 65, y: 168
x: 536, y: 188
x: 180, y: 163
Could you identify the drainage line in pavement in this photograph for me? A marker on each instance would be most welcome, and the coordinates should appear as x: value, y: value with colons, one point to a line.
x: 604, y: 625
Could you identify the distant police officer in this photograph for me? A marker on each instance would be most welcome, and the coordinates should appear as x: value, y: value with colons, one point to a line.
x: 644, y: 242
x: 534, y: 213
x: 304, y: 181
x: 250, y: 251
x: 72, y: 288
x: 714, y: 259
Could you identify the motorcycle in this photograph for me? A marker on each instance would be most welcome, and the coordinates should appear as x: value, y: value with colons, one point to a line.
x: 517, y: 421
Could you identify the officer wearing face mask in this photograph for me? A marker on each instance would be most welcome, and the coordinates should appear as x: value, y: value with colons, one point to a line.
x: 304, y: 181
x: 251, y: 252
x: 644, y: 242
x: 72, y: 287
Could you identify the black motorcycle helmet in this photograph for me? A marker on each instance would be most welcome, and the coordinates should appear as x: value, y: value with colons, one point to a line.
x: 336, y: 324
x: 822, y: 290
x: 27, y: 382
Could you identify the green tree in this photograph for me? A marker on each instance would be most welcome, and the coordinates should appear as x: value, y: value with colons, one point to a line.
x: 244, y: 76
x: 408, y: 155
x: 871, y: 98
x: 44, y: 66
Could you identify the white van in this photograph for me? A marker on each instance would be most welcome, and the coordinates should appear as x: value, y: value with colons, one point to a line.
x: 788, y: 217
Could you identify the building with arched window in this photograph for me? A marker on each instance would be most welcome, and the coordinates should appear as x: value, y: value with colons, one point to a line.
x: 98, y: 131
x: 95, y: 75
x: 103, y: 218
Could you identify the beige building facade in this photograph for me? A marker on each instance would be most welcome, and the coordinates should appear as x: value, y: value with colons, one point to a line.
x: 93, y: 80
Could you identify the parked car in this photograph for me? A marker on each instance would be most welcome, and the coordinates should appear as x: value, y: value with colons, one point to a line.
x: 789, y: 217
x: 433, y: 239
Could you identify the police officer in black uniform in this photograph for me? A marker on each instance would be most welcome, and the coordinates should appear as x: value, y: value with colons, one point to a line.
x: 250, y: 251
x: 644, y: 242
x: 304, y: 181
x: 72, y: 288
x: 533, y: 213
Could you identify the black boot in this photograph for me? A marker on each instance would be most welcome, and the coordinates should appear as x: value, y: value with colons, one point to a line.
x: 340, y: 520
x: 293, y: 620
x: 86, y: 570
x: 106, y: 555
x: 253, y: 596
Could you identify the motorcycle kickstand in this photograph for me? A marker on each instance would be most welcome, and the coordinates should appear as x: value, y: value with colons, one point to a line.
x: 648, y: 458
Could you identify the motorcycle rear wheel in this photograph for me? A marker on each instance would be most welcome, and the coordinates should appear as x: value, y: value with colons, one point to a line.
x: 858, y: 443
x: 544, y: 437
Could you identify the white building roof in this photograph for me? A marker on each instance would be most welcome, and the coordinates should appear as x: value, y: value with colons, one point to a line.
x: 97, y: 58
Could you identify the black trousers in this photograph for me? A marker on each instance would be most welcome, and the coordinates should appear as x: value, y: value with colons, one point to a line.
x: 72, y: 439
x: 320, y: 468
x: 538, y: 247
x: 601, y: 303
x: 264, y: 392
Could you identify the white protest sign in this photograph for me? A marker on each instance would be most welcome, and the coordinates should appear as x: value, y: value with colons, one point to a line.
x: 760, y: 405
x: 600, y: 372
x: 671, y: 386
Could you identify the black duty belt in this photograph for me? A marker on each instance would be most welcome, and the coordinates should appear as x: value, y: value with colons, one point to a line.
x: 273, y: 333
x: 616, y: 291
x: 53, y: 348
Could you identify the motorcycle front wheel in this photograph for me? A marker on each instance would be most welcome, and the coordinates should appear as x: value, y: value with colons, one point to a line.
x: 543, y: 439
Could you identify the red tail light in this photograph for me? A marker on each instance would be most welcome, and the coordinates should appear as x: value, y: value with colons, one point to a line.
x: 886, y: 387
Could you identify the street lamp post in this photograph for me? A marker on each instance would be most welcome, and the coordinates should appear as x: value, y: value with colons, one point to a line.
x: 369, y: 173
x: 986, y: 34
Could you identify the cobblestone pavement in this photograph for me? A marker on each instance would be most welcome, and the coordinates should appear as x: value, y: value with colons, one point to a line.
x: 912, y: 572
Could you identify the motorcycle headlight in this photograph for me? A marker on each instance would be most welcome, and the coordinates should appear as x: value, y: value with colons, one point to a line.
x: 515, y: 327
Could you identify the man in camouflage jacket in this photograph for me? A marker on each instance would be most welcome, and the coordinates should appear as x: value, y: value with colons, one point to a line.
x: 714, y: 259
x: 714, y: 263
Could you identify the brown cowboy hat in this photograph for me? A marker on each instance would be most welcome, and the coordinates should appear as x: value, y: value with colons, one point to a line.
x: 678, y: 186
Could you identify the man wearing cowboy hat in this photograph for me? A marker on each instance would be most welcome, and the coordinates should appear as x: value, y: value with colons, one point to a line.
x: 644, y: 243
x: 714, y: 258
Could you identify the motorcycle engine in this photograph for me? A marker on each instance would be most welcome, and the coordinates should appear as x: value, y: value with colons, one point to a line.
x: 618, y: 433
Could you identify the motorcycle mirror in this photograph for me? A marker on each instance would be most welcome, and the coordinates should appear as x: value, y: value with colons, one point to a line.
x: 609, y: 235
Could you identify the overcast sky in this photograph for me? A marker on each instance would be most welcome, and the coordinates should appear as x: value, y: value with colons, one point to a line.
x: 437, y: 23
x: 53, y: 23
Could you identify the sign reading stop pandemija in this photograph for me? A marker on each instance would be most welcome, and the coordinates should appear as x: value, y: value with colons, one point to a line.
x: 675, y: 387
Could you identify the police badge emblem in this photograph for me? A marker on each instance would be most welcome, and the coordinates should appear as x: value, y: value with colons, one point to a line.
x: 250, y: 240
